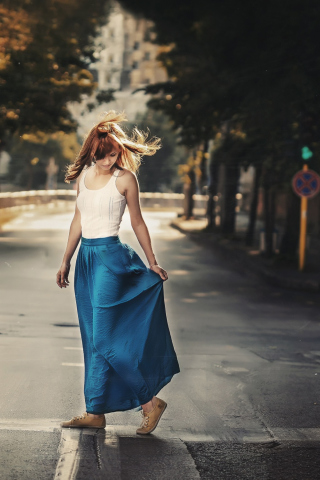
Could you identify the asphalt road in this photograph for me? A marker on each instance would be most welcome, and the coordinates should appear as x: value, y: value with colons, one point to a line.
x: 245, y: 405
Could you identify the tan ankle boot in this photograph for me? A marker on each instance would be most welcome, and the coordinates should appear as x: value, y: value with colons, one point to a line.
x: 151, y: 419
x: 85, y: 421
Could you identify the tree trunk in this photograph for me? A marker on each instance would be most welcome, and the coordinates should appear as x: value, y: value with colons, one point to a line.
x: 30, y: 171
x: 232, y: 174
x: 269, y: 211
x: 212, y: 191
x: 203, y: 167
x: 253, y: 207
x: 189, y: 190
x: 290, y: 239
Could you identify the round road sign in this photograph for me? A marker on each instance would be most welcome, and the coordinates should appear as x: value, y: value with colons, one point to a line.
x: 306, y: 183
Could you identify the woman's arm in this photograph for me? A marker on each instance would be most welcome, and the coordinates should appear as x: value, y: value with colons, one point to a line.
x: 72, y: 243
x: 138, y: 224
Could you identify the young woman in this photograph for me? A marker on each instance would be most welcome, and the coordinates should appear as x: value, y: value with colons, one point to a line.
x: 128, y: 352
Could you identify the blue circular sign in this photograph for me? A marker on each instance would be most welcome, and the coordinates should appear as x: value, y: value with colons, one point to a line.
x: 306, y: 183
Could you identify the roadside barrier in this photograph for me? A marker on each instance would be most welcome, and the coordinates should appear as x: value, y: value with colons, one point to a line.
x: 17, y: 200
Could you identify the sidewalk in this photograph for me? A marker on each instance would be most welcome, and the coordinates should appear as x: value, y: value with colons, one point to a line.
x: 246, y: 259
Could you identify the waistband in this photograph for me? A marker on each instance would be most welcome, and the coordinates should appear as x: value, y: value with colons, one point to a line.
x: 100, y: 241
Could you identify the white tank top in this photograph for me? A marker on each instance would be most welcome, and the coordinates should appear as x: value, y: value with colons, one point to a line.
x: 101, y: 210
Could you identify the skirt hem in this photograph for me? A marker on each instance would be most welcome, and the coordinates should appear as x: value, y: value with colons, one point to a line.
x: 138, y: 402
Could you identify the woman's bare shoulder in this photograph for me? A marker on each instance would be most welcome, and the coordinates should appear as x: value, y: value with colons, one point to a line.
x: 81, y: 175
x: 127, y: 181
x: 127, y: 175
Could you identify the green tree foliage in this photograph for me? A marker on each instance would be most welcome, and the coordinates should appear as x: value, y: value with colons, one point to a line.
x: 244, y: 58
x: 253, y: 61
x: 159, y: 172
x: 30, y: 155
x: 45, y: 48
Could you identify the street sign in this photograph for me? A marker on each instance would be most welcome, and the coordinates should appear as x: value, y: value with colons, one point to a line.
x: 306, y: 183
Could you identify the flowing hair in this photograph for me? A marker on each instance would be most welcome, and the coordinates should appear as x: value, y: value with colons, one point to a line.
x: 101, y: 139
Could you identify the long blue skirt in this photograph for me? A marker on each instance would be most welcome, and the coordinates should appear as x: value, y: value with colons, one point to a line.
x: 128, y: 352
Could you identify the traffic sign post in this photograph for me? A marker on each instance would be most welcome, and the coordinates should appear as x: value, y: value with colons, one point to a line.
x: 306, y: 184
x: 303, y: 232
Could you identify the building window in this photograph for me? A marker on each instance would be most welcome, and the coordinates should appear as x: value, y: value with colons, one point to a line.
x: 94, y: 73
x: 147, y: 35
x: 136, y: 45
x: 135, y: 65
x: 147, y: 56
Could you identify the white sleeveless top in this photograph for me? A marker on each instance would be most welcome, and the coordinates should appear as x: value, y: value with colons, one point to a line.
x: 101, y: 210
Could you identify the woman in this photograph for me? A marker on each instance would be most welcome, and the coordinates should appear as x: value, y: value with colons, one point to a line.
x: 128, y: 352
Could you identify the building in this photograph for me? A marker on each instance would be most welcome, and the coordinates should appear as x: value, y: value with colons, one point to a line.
x: 126, y: 62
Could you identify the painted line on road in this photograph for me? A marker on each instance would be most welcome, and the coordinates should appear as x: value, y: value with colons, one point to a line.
x: 281, y: 434
x: 68, y: 463
x: 72, y: 348
x: 117, y: 452
x: 72, y: 364
x: 32, y: 424
x: 179, y: 272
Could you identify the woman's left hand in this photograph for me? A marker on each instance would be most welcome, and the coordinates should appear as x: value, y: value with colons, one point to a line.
x: 163, y: 274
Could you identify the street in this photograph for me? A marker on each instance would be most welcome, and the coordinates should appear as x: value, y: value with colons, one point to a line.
x: 246, y: 404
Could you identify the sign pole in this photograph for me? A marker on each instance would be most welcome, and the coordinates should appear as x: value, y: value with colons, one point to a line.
x: 306, y: 184
x: 303, y: 228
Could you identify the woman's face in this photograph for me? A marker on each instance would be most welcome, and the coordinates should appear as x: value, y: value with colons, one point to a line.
x: 110, y: 159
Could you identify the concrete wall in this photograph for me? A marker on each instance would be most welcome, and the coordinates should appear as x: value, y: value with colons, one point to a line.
x: 147, y: 199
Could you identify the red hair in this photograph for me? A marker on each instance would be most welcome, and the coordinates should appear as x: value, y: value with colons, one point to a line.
x: 102, y: 138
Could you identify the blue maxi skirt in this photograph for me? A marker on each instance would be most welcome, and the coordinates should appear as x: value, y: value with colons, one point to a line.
x: 128, y: 352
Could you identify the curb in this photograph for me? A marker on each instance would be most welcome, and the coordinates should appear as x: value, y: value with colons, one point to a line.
x: 242, y: 262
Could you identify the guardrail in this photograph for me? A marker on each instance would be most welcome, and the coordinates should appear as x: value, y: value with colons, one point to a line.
x: 15, y: 200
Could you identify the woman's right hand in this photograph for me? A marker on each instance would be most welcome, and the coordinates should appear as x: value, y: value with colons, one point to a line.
x: 62, y: 275
x: 160, y: 271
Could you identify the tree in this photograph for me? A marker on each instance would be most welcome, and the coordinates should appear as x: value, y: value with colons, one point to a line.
x: 31, y: 153
x: 45, y: 50
x: 258, y: 61
x: 159, y: 172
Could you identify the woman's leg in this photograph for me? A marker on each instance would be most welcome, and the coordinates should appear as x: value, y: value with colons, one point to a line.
x: 147, y: 407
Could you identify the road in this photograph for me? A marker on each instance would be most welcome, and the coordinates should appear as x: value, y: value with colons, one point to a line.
x: 245, y: 405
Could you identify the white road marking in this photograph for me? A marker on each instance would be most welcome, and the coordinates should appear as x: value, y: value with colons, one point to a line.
x: 72, y: 364
x: 30, y: 424
x: 72, y: 348
x: 170, y: 455
x: 178, y: 272
x: 68, y: 463
x: 52, y: 424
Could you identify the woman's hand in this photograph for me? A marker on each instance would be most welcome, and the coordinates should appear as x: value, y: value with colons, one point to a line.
x: 62, y: 275
x: 163, y: 274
